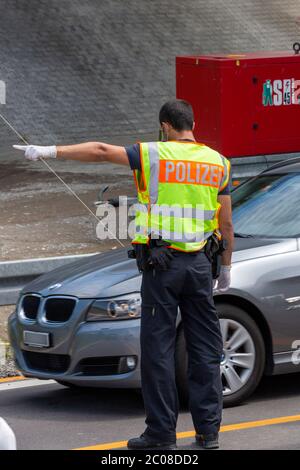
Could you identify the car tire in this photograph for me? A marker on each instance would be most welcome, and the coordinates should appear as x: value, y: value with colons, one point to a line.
x: 236, y: 316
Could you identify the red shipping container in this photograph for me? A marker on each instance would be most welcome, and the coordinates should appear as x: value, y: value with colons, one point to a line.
x: 244, y: 104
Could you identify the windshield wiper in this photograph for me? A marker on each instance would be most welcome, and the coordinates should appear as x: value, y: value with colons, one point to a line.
x: 242, y: 235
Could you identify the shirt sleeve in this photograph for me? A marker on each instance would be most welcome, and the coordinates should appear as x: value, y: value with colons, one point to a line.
x: 226, y: 191
x: 134, y: 157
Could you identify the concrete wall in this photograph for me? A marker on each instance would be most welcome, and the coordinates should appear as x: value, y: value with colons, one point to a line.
x: 99, y: 69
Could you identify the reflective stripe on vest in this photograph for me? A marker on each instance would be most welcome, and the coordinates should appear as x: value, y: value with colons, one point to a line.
x: 171, y: 211
x: 154, y: 169
x: 180, y: 237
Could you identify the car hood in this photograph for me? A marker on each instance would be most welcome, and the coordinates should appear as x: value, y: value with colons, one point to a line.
x: 107, y: 274
x: 112, y: 274
x: 252, y: 247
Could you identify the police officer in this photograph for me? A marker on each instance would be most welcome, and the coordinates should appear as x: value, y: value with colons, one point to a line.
x: 184, y: 204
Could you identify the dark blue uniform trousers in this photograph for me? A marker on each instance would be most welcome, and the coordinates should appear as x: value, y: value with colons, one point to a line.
x: 188, y: 285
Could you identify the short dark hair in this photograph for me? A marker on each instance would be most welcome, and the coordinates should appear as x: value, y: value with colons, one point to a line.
x: 178, y: 113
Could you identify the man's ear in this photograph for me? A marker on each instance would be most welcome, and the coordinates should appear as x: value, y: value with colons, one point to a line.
x: 165, y: 130
x: 193, y: 128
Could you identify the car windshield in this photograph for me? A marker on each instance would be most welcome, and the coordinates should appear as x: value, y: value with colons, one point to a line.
x: 268, y: 206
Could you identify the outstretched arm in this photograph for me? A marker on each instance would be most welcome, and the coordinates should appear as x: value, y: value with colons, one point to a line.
x: 93, y: 152
x: 86, y: 152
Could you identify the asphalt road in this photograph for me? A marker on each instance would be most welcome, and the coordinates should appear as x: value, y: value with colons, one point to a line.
x: 49, y: 416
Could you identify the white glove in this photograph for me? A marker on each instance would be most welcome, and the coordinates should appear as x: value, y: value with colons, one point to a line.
x: 222, y: 284
x: 35, y: 152
x: 7, y: 437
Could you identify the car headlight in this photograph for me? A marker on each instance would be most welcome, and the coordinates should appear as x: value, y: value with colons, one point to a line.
x: 124, y: 308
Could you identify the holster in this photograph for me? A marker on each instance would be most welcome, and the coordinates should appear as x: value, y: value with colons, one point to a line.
x: 213, y: 249
x: 140, y: 252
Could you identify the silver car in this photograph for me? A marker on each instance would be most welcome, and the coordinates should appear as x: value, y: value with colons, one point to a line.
x: 80, y: 324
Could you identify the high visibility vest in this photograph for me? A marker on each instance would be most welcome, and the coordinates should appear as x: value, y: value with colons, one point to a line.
x: 178, y: 187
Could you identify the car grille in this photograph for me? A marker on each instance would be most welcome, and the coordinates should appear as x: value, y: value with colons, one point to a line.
x: 110, y: 365
x: 46, y: 362
x: 30, y: 306
x: 59, y: 309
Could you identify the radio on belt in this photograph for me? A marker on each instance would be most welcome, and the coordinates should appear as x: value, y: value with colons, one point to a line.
x: 244, y: 104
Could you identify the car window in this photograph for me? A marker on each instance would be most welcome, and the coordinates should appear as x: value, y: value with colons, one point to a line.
x: 268, y: 206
